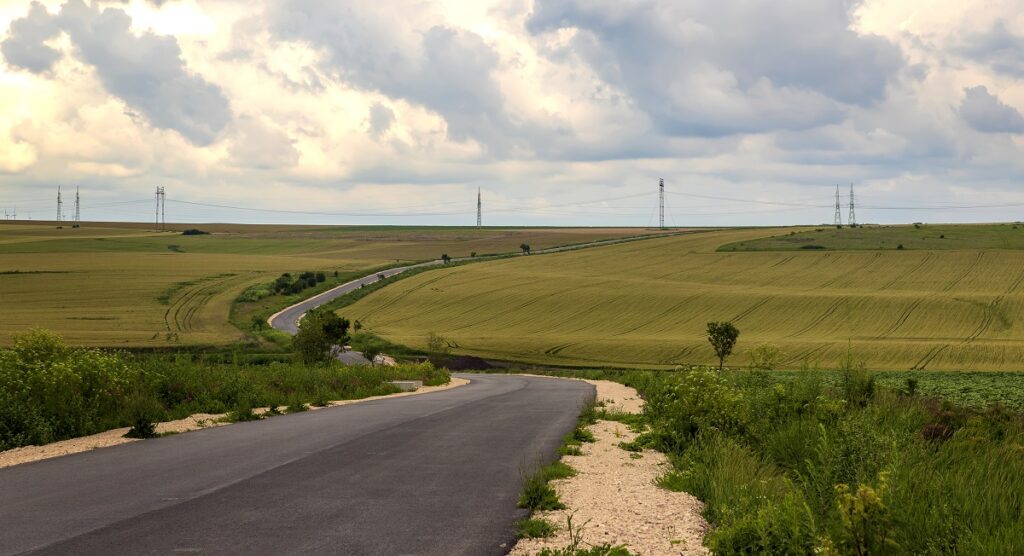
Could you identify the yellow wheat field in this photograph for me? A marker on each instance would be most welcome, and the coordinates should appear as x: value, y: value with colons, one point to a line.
x: 647, y: 304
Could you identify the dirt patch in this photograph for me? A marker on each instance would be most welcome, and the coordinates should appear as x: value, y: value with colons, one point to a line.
x: 613, y: 496
x: 114, y: 437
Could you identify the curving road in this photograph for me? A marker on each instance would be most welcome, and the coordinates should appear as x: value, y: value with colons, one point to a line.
x: 437, y: 473
x: 287, y: 320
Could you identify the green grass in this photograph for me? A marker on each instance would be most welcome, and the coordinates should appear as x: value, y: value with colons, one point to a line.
x: 928, y: 237
x: 646, y: 305
x: 793, y: 463
x: 534, y: 528
x: 50, y: 391
x: 123, y: 285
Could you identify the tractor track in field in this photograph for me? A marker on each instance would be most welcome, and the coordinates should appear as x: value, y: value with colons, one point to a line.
x: 820, y: 318
x: 929, y: 357
x: 969, y: 270
x: 913, y: 272
x: 902, y: 319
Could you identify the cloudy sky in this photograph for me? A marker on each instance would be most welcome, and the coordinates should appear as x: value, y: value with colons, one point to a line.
x: 561, y: 111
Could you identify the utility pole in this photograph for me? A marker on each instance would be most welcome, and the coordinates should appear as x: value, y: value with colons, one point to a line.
x: 661, y: 203
x: 839, y: 214
x: 479, y: 210
x: 60, y: 209
x: 161, y: 219
x: 78, y: 212
x: 852, y: 220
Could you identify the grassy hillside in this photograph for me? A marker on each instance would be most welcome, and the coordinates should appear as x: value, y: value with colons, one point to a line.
x: 647, y: 304
x: 930, y: 237
x: 129, y: 286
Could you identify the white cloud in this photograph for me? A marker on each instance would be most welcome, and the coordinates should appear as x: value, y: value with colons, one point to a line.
x: 377, y: 104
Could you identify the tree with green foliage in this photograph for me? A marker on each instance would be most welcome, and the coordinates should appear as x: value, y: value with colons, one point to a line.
x: 525, y: 248
x: 445, y: 258
x: 437, y: 344
x: 722, y: 336
x: 319, y: 332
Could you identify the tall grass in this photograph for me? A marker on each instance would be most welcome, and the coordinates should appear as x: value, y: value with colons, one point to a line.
x: 50, y: 391
x: 798, y: 466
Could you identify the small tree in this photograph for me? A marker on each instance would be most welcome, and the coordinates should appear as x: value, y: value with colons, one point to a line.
x: 319, y: 332
x: 525, y: 247
x: 722, y: 336
x: 445, y: 258
x: 437, y: 344
x: 257, y: 323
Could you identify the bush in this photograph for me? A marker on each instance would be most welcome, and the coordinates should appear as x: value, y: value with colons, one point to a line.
x: 766, y: 357
x: 144, y: 412
x: 194, y: 232
x: 49, y: 391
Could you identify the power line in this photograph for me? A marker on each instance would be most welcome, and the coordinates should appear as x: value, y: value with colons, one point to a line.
x: 852, y: 220
x: 839, y: 214
x: 661, y: 203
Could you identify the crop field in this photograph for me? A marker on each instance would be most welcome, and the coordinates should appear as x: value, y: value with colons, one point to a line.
x: 646, y: 304
x: 124, y: 285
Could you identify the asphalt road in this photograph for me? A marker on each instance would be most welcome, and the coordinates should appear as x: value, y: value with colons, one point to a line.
x: 287, y: 320
x: 432, y: 474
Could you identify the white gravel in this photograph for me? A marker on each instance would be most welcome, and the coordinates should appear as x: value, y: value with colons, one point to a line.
x: 613, y: 495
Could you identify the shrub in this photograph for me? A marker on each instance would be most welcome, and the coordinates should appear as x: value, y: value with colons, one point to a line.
x: 144, y: 412
x: 194, y: 232
x: 537, y: 494
x: 766, y: 357
x: 534, y: 528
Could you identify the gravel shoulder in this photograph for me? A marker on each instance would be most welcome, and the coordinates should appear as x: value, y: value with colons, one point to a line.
x: 613, y: 497
x: 114, y: 437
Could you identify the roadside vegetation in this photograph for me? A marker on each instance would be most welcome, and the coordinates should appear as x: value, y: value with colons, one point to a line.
x: 50, y: 391
x: 836, y: 462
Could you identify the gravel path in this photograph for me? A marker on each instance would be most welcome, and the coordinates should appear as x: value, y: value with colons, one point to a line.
x: 198, y: 421
x: 613, y: 495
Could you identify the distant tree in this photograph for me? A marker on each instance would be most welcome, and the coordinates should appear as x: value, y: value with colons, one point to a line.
x: 357, y: 326
x: 473, y: 254
x: 445, y: 258
x: 525, y: 248
x: 766, y: 357
x: 437, y: 344
x: 722, y: 336
x: 321, y: 277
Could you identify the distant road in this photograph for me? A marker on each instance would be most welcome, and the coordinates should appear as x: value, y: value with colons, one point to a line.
x: 432, y: 474
x: 287, y: 320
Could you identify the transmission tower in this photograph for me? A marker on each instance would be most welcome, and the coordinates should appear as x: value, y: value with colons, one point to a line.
x: 839, y: 214
x: 78, y: 213
x: 60, y: 209
x: 852, y: 220
x: 479, y: 210
x: 161, y: 219
x: 661, y: 203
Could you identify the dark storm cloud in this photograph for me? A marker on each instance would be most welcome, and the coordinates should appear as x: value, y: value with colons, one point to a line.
x: 998, y: 48
x: 146, y: 71
x: 447, y: 70
x: 24, y: 47
x: 985, y: 112
x: 705, y: 69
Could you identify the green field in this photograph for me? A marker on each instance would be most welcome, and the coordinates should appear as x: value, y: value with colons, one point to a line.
x: 126, y: 285
x: 931, y: 237
x: 646, y: 304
